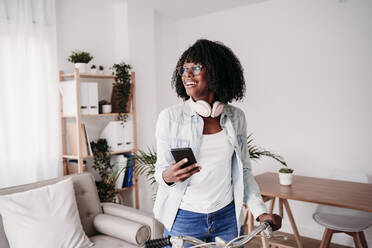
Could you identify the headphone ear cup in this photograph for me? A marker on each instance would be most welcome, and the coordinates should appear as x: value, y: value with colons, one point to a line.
x: 217, y: 109
x: 203, y: 108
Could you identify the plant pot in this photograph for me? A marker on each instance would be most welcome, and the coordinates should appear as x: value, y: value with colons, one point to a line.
x: 115, y: 99
x: 285, y: 178
x: 81, y: 66
x: 106, y: 109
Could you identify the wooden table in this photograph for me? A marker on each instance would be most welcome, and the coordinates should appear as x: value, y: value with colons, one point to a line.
x: 330, y: 192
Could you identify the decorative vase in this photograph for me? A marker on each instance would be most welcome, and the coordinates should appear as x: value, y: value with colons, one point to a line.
x: 285, y: 178
x: 81, y: 66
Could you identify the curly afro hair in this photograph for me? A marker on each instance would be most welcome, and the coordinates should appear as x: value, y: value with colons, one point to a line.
x: 224, y: 71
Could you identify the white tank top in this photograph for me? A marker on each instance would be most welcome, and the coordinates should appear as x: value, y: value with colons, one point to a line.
x: 211, y: 189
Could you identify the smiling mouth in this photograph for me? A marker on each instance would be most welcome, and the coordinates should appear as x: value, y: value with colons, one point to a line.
x: 189, y: 84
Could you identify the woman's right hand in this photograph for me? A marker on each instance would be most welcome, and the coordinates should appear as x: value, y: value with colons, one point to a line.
x: 174, y: 173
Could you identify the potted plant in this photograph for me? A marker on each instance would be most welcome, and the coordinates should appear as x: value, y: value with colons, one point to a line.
x: 101, y: 68
x: 93, y: 69
x: 102, y: 164
x: 255, y: 152
x: 104, y: 107
x: 80, y: 59
x: 285, y: 176
x: 121, y: 90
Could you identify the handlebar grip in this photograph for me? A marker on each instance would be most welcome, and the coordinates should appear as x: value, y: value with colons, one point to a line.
x: 158, y: 243
x: 270, y: 223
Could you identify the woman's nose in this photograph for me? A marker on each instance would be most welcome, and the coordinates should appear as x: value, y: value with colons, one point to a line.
x: 189, y: 72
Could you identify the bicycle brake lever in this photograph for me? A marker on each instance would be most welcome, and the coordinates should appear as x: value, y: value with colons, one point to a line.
x: 177, y: 242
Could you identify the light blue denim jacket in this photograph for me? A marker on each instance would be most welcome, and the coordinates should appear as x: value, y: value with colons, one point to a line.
x: 180, y: 126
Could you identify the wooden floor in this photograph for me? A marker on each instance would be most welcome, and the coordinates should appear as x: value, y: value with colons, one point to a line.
x: 290, y: 242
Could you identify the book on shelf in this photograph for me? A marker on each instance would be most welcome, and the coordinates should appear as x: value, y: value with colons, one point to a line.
x: 87, y: 138
x: 72, y: 139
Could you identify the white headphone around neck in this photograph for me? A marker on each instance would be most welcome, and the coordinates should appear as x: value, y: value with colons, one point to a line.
x: 204, y: 109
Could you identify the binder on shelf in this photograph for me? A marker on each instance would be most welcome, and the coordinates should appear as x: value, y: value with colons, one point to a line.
x: 72, y: 136
x: 128, y: 134
x: 93, y: 98
x: 128, y: 178
x: 84, y: 99
x: 114, y: 134
x: 68, y: 92
x: 88, y: 98
x: 119, y: 162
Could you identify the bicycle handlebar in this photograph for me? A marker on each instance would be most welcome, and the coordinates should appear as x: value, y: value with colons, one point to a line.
x: 238, y: 241
x: 158, y: 243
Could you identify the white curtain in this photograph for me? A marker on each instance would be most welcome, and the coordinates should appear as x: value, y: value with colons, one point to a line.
x: 29, y: 101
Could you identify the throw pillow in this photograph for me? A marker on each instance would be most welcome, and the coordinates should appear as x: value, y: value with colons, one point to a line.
x: 43, y: 217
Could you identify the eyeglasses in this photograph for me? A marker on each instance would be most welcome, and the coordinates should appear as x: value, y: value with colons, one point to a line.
x: 195, y: 69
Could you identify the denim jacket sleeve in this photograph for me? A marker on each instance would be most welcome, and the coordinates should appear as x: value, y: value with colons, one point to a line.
x: 164, y: 157
x: 252, y: 196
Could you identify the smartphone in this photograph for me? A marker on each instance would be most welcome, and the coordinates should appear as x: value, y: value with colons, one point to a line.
x: 181, y: 153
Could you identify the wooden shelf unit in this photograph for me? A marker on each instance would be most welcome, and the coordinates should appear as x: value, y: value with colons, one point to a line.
x: 78, y: 121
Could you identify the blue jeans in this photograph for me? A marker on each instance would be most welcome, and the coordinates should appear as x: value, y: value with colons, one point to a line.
x: 206, y: 227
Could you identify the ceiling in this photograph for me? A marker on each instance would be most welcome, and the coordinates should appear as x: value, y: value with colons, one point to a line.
x: 179, y: 9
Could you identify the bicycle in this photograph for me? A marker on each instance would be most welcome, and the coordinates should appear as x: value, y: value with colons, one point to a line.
x: 178, y: 241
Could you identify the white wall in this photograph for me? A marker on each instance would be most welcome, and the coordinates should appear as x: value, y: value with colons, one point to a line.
x: 166, y: 60
x: 99, y: 27
x: 142, y: 58
x: 308, y: 70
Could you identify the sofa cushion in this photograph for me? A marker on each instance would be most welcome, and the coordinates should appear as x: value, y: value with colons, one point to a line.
x: 43, y: 217
x: 133, y: 232
x: 86, y: 198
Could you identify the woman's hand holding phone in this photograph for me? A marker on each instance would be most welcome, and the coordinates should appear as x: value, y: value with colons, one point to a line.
x: 174, y: 173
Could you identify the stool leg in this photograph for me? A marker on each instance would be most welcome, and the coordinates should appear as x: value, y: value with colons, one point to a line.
x: 363, y: 240
x: 358, y: 242
x: 326, y: 240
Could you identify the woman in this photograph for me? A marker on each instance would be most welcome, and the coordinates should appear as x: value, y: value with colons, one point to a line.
x: 205, y: 199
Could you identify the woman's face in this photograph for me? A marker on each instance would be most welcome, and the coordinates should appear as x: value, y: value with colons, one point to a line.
x: 196, y: 83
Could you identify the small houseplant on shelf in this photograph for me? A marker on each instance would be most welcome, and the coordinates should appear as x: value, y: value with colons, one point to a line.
x: 121, y: 88
x: 255, y: 152
x: 80, y: 59
x: 100, y: 69
x: 102, y: 164
x: 93, y: 69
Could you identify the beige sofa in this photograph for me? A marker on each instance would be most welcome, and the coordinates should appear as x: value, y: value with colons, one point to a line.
x: 128, y: 226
